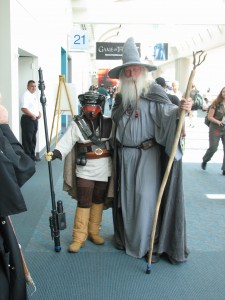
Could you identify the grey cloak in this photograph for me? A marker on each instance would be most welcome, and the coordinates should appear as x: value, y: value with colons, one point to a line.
x: 138, y: 174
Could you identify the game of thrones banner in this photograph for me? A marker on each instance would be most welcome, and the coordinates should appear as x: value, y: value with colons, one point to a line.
x: 112, y: 51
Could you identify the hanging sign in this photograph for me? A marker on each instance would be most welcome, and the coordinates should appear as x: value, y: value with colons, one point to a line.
x: 111, y: 50
x: 79, y: 40
x: 161, y: 51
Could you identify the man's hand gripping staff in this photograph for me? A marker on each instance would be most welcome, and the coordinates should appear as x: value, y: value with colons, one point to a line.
x: 48, y: 156
x: 57, y: 220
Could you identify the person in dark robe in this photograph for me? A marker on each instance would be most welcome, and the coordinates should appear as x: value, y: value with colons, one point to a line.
x: 15, y: 169
x: 145, y: 127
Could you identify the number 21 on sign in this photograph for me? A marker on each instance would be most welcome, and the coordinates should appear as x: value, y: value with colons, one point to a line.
x: 79, y: 40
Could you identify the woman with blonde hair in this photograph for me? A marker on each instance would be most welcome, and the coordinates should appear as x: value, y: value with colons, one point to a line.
x: 216, y: 116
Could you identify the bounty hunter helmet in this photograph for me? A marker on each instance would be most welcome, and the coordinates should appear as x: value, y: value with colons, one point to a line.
x: 91, y: 103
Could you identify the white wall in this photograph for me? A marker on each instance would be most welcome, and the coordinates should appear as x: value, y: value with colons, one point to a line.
x: 9, y: 62
x: 39, y: 29
x: 35, y: 29
x: 210, y: 74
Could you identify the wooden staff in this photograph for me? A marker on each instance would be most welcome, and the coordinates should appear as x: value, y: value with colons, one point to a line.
x: 172, y: 155
x: 28, y: 277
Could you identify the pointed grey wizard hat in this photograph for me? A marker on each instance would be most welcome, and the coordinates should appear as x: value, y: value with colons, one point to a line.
x: 130, y: 57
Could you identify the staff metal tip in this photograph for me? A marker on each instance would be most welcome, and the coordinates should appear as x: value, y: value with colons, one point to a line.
x: 148, y: 270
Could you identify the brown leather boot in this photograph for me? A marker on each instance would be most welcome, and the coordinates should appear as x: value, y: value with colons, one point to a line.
x: 80, y: 229
x: 95, y: 223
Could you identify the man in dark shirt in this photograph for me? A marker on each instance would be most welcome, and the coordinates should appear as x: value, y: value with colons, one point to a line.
x: 173, y: 98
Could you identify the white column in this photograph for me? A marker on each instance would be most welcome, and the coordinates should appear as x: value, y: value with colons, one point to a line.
x: 182, y: 72
x: 9, y: 63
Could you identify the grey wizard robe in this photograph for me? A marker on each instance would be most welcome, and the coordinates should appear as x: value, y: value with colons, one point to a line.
x: 138, y: 175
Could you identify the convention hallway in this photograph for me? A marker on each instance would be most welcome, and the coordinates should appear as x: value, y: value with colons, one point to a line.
x: 105, y: 273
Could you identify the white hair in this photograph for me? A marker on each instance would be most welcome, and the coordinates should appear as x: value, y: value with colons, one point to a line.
x: 128, y: 90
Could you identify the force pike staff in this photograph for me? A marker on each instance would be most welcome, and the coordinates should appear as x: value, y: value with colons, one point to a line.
x: 57, y: 220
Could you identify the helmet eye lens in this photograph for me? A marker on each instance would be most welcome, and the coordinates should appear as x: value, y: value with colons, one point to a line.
x: 91, y: 111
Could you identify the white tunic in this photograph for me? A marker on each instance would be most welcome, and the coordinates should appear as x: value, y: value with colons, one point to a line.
x: 95, y: 169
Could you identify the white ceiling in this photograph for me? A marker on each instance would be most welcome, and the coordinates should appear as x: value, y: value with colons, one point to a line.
x: 186, y: 26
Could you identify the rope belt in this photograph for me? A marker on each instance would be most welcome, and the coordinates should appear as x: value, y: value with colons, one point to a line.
x: 144, y: 145
x: 92, y: 151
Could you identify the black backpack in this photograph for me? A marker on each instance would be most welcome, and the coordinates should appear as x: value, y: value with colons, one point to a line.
x: 197, y: 101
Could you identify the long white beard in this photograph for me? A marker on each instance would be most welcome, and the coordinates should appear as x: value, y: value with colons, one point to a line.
x: 129, y: 92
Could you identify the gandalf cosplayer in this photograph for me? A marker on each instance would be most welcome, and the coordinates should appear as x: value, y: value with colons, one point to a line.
x: 145, y: 128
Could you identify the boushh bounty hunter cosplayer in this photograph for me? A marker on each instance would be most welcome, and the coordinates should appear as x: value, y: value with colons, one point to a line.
x: 87, y: 167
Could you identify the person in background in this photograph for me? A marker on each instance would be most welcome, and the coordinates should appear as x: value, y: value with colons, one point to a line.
x: 208, y: 95
x: 29, y: 119
x: 88, y: 138
x: 145, y: 126
x: 15, y: 169
x: 193, y: 113
x: 206, y: 104
x: 173, y: 98
x: 111, y: 97
x: 102, y: 90
x: 175, y: 89
x: 216, y: 116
